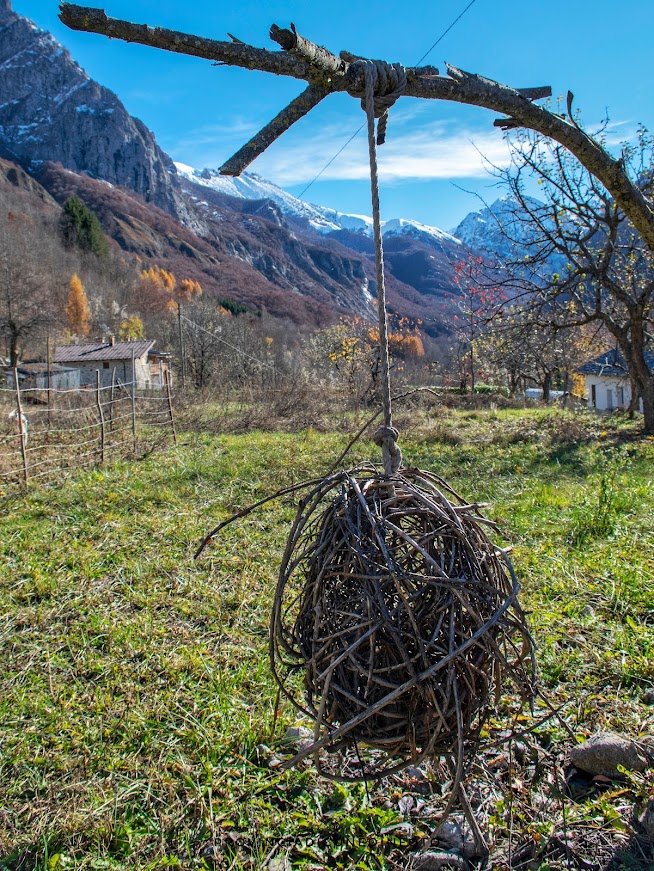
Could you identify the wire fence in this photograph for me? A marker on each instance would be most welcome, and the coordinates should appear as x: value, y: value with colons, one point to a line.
x: 46, y: 433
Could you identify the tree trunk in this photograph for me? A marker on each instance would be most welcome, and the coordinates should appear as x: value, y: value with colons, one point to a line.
x: 648, y: 405
x: 13, y: 350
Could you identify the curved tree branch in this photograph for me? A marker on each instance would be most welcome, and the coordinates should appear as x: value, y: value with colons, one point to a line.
x: 318, y: 66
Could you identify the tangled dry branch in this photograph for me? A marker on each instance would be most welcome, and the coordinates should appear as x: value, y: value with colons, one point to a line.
x: 400, y: 615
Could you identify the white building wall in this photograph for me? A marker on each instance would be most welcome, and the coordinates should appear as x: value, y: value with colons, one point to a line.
x: 122, y: 368
x: 607, y: 392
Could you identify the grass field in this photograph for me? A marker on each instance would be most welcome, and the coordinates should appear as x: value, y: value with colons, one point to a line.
x: 136, y: 705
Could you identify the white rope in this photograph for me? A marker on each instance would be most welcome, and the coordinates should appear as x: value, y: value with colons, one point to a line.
x: 386, y: 436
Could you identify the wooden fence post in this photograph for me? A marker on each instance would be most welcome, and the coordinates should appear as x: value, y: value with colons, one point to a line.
x: 170, y: 406
x: 48, y: 355
x: 98, y: 402
x: 134, y: 403
x: 111, y: 399
x: 21, y: 426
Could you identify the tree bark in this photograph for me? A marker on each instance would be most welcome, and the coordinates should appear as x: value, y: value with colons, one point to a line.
x: 337, y: 74
x: 648, y: 405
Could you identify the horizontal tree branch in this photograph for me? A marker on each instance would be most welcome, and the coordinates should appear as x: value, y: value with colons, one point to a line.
x: 336, y: 74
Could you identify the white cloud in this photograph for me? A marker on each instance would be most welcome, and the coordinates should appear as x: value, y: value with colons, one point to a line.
x: 435, y: 151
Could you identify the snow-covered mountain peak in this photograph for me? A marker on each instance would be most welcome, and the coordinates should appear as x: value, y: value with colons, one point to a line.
x: 251, y: 186
x: 404, y: 227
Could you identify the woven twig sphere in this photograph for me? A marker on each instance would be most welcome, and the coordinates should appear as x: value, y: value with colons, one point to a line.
x: 401, y: 615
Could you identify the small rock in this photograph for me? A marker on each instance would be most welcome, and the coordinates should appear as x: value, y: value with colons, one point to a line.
x: 296, y: 734
x: 279, y: 863
x: 588, y: 611
x: 604, y: 752
x: 450, y: 835
x: 648, y: 697
x: 646, y: 818
x: 413, y: 773
x: 433, y: 861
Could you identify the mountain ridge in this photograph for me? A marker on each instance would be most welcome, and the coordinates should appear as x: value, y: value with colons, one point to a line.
x: 245, y: 239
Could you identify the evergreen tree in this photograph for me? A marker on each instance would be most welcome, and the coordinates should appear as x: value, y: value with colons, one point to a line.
x: 77, y: 308
x: 80, y: 226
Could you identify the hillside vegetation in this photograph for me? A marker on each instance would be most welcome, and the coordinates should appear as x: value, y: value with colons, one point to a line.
x: 139, y: 721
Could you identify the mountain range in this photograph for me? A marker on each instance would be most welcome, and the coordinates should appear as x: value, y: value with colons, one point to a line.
x: 244, y: 239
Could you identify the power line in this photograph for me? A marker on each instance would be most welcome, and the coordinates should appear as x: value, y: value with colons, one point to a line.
x: 445, y: 32
x: 329, y: 162
x: 356, y: 132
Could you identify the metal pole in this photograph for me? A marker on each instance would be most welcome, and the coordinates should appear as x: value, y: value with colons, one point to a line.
x: 111, y: 399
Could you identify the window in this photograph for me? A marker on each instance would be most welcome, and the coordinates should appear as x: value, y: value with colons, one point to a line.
x: 593, y: 395
x: 609, y: 398
x: 620, y: 397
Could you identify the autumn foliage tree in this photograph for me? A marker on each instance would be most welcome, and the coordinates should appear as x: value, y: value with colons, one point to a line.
x: 159, y: 291
x: 351, y: 347
x: 78, y: 313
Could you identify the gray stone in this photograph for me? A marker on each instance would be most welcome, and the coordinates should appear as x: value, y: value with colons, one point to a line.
x: 604, y: 752
x: 435, y: 861
x: 646, y: 818
x: 648, y: 697
x: 296, y: 734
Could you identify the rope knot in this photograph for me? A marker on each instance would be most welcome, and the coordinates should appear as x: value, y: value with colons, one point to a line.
x: 385, y: 84
x: 386, y: 437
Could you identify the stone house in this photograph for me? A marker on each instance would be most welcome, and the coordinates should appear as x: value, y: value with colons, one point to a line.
x: 124, y: 363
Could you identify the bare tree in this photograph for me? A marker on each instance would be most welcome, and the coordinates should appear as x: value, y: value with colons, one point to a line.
x: 588, y: 262
x: 27, y: 297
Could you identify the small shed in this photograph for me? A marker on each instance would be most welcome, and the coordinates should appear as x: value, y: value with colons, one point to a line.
x: 126, y: 363
x: 607, y: 382
x: 34, y: 376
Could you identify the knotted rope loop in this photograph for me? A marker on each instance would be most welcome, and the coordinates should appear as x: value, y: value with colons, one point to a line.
x: 385, y: 84
x: 386, y: 438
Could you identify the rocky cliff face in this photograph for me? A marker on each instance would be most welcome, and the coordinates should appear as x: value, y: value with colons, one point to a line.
x: 243, y: 239
x: 51, y: 110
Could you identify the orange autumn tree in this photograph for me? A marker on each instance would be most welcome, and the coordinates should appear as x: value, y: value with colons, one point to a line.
x: 78, y: 313
x: 352, y: 347
x: 159, y: 290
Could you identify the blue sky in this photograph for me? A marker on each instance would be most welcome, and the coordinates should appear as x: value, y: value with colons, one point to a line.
x: 201, y: 114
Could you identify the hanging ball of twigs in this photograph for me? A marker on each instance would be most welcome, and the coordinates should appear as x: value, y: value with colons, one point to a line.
x: 401, y: 617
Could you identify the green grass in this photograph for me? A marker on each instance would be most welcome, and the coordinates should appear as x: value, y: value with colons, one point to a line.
x: 136, y: 704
